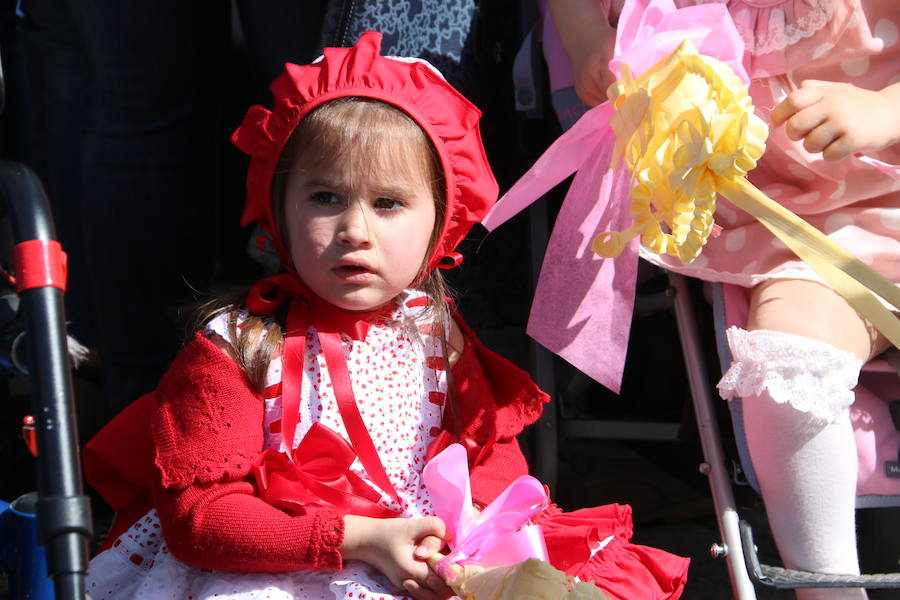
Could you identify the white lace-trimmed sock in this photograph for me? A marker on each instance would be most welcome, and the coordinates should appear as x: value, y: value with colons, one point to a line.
x: 796, y: 392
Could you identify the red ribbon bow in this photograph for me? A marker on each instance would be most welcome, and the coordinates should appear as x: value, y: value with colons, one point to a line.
x: 317, y: 472
x: 305, y: 309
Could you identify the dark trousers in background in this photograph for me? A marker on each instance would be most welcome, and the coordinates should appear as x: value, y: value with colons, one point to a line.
x: 133, y: 111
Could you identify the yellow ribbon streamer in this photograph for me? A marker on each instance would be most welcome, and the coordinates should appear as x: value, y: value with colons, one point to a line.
x: 848, y: 275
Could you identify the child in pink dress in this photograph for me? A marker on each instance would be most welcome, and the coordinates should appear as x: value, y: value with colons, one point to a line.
x: 825, y: 75
x: 285, y: 450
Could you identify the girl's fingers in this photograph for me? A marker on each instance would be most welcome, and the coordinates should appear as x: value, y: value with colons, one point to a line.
x: 424, y: 526
x: 432, y: 589
x: 419, y: 592
x: 801, y: 123
x: 435, y: 526
x: 430, y: 532
x: 795, y: 102
x: 820, y: 138
x: 838, y: 149
x: 438, y: 586
x: 429, y: 545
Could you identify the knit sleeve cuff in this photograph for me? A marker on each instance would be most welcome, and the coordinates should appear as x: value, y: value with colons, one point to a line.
x: 325, y: 539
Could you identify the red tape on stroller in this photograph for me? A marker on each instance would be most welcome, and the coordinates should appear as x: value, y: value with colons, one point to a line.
x: 39, y: 263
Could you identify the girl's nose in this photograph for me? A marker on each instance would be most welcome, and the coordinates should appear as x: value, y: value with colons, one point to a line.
x: 353, y: 228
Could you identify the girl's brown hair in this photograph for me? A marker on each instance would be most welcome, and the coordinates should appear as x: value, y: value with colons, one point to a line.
x: 355, y: 129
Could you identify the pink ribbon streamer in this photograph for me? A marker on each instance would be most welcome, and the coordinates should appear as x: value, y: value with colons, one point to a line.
x: 501, y: 534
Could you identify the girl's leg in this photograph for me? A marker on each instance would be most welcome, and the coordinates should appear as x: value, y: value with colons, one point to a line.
x: 807, y: 475
x: 815, y: 311
x: 798, y: 429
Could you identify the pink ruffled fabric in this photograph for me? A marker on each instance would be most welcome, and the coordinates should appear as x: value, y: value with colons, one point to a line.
x: 781, y: 34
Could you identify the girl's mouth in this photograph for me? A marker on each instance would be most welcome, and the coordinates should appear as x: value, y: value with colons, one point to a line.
x: 352, y: 273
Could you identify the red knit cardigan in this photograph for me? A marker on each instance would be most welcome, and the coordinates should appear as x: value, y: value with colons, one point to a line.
x: 205, y: 429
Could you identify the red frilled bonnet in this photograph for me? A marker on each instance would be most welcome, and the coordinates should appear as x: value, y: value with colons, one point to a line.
x: 447, y: 118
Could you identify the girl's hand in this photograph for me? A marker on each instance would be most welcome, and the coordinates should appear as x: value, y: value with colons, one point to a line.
x: 590, y: 66
x: 840, y: 119
x: 589, y: 41
x: 399, y: 549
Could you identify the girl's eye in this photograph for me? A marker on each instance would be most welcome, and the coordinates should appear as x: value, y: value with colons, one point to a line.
x: 388, y: 204
x: 328, y: 198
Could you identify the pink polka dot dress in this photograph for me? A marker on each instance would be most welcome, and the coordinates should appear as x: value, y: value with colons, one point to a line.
x: 857, y: 206
x: 399, y: 383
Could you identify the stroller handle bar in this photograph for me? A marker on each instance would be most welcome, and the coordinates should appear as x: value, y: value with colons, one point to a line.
x: 63, y: 511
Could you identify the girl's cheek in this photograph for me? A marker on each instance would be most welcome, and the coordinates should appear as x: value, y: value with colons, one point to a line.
x: 316, y: 232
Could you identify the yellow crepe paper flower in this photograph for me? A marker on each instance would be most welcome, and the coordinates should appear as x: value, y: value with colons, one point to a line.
x: 682, y: 126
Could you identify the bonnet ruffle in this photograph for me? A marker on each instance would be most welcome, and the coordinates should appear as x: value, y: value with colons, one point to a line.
x: 413, y: 86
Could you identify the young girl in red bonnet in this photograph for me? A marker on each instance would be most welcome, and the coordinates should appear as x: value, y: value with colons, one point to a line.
x: 286, y: 443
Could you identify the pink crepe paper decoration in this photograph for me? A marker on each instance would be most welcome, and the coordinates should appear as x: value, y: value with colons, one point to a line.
x: 502, y: 534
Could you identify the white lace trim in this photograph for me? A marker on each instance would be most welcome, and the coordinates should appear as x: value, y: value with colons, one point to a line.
x: 776, y: 33
x: 779, y: 34
x: 812, y: 376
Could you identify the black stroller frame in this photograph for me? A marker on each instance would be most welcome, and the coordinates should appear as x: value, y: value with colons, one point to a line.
x: 63, y: 511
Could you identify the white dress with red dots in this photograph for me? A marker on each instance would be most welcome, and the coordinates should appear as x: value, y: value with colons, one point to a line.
x: 399, y: 383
